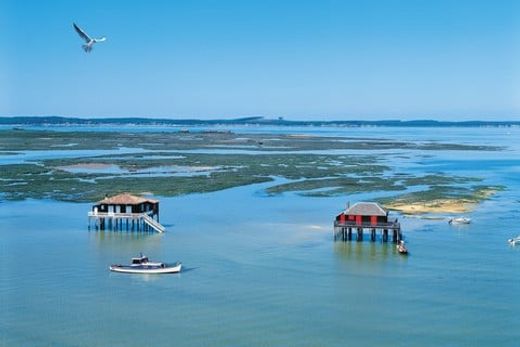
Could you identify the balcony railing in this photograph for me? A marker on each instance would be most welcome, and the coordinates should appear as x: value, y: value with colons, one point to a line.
x: 119, y: 214
x: 378, y: 225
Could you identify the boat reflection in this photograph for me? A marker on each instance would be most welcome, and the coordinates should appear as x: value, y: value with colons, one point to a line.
x: 139, y: 278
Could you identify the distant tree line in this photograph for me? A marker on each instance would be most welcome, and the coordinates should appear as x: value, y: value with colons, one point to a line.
x: 57, y: 120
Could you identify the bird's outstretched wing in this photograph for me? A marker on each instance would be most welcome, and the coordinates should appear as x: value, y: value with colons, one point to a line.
x: 101, y: 39
x: 81, y: 33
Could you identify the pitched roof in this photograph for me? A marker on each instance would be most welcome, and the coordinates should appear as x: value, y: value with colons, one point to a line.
x: 126, y: 199
x: 366, y: 209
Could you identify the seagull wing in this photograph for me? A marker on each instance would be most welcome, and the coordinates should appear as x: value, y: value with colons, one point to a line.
x: 101, y: 39
x: 81, y: 33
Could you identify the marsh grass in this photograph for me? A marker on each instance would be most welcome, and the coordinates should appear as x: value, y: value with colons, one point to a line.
x: 19, y: 140
x: 317, y: 175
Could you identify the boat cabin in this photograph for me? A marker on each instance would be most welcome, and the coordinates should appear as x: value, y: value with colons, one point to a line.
x: 140, y: 260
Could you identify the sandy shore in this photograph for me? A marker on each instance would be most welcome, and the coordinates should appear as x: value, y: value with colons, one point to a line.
x: 441, y: 205
x: 435, y: 206
x: 91, y: 166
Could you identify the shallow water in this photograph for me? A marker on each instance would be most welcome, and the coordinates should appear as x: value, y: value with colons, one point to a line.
x: 264, y: 271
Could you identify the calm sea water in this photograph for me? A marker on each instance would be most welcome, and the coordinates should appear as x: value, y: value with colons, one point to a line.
x: 264, y: 271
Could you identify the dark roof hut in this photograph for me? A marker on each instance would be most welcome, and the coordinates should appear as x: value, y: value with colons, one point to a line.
x: 111, y: 212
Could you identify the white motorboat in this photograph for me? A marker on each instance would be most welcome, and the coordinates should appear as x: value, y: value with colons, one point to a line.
x: 514, y: 241
x: 142, y: 265
x: 401, y: 248
x: 460, y: 220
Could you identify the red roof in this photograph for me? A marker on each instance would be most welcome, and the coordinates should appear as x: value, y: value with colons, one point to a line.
x: 366, y: 209
x: 126, y: 199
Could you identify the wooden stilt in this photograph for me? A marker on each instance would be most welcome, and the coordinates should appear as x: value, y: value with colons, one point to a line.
x: 360, y: 234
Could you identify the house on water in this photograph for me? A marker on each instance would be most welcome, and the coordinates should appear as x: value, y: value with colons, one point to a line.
x: 126, y: 211
x: 366, y: 216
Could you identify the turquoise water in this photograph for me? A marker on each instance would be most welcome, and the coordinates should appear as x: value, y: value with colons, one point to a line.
x: 264, y: 271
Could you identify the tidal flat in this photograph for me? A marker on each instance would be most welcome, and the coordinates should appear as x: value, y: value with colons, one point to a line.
x: 184, y: 162
x: 30, y: 140
x: 441, y: 199
x: 262, y: 268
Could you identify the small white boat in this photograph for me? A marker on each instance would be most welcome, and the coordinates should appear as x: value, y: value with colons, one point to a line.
x: 401, y: 248
x: 460, y: 220
x: 514, y: 241
x: 142, y: 265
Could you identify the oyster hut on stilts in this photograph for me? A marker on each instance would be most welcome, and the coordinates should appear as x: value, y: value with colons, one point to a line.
x: 366, y: 216
x: 126, y: 211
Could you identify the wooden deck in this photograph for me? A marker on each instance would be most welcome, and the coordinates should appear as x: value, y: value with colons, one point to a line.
x: 344, y: 231
x: 120, y: 221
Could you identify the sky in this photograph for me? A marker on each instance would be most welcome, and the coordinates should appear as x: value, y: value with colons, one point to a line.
x: 298, y: 59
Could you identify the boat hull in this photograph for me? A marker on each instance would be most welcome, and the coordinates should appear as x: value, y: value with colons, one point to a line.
x: 461, y: 220
x: 401, y: 249
x: 143, y: 271
x: 514, y: 242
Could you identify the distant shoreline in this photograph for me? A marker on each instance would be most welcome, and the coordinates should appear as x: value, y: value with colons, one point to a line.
x: 73, y: 121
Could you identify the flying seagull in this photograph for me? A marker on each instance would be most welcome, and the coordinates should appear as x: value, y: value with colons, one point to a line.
x: 90, y: 41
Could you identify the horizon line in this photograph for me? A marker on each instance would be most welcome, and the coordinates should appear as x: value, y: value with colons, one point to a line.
x: 253, y: 119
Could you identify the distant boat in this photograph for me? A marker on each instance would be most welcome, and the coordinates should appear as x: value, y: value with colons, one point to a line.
x: 401, y: 248
x: 514, y: 241
x: 142, y: 265
x: 460, y: 220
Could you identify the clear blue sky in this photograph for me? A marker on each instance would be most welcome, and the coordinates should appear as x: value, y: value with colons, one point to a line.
x: 414, y: 59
